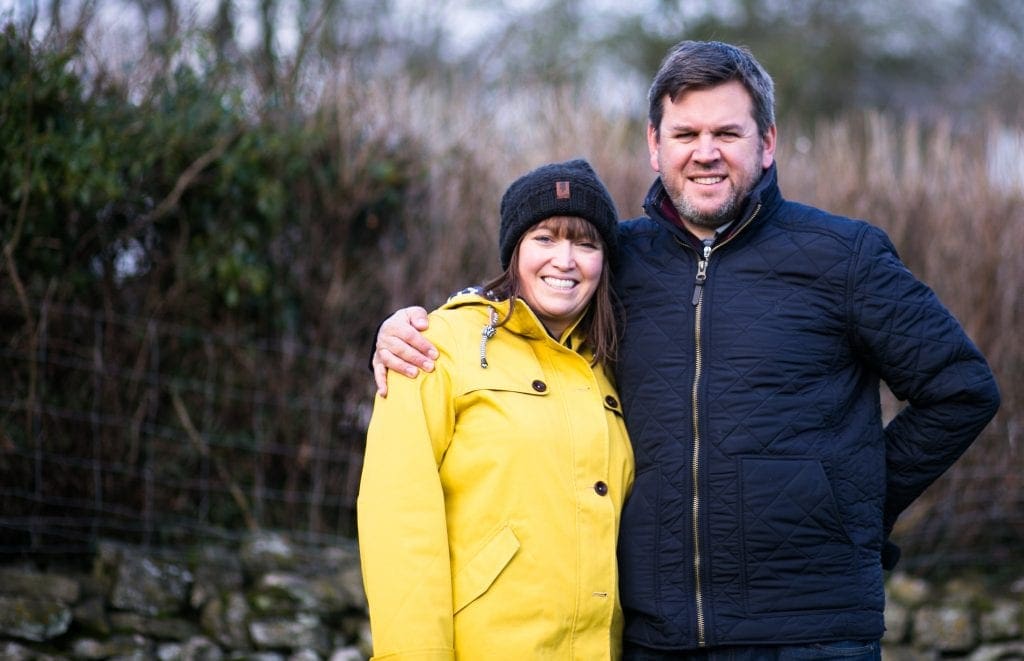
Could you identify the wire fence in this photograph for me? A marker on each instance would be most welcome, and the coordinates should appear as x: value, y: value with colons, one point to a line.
x: 165, y: 435
x: 117, y: 427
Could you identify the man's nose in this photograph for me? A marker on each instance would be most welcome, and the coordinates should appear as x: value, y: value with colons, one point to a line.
x: 706, y: 148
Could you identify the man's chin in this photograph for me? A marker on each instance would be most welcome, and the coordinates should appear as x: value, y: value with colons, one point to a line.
x: 711, y: 220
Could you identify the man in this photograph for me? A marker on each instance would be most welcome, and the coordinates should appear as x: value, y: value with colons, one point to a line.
x: 756, y: 331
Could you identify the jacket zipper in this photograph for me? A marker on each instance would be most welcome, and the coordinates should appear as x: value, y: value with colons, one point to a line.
x: 698, y: 301
x: 698, y: 360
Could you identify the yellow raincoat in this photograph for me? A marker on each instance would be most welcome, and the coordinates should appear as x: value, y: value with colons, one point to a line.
x: 490, y: 498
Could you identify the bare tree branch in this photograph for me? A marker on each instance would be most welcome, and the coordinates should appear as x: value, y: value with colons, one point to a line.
x: 225, y: 475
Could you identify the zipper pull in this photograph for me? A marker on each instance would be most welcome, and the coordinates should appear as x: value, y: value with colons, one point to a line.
x: 486, y: 334
x: 702, y: 274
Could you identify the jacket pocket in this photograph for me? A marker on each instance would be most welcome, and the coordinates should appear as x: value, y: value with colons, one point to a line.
x: 479, y: 572
x: 797, y: 554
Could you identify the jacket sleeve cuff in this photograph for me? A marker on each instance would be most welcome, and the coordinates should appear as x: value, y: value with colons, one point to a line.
x: 373, y: 348
x: 890, y: 555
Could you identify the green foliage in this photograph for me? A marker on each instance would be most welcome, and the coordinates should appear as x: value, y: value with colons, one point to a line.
x: 194, y: 202
x: 183, y: 192
x: 56, y: 165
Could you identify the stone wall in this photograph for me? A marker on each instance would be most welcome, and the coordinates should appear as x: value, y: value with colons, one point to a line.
x: 970, y: 618
x: 269, y: 600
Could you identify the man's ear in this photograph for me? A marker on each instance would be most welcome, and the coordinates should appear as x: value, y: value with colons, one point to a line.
x: 652, y: 146
x: 768, y: 141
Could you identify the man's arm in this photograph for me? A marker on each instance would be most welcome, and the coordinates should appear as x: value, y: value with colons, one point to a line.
x: 401, y: 347
x: 920, y: 350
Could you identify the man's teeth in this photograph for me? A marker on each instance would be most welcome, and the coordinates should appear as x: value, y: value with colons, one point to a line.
x: 708, y: 180
x: 561, y: 284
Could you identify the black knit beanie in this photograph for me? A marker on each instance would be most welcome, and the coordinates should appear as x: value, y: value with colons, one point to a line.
x: 559, y: 189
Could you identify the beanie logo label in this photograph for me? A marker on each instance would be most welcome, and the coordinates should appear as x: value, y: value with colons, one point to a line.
x: 562, y: 190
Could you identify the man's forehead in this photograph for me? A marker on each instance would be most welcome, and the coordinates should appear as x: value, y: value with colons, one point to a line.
x: 721, y: 105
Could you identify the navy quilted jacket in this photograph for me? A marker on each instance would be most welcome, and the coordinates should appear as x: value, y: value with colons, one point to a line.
x: 765, y: 481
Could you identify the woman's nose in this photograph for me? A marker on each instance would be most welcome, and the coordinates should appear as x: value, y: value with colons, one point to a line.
x: 564, y: 256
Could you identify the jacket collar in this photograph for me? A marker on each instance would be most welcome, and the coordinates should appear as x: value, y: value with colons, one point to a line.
x: 523, y: 321
x: 763, y: 198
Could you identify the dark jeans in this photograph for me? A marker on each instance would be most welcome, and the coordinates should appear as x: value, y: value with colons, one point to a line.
x: 846, y: 650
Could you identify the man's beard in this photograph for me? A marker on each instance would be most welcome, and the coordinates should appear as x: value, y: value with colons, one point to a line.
x: 713, y: 220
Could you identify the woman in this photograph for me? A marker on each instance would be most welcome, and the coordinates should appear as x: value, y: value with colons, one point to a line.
x: 491, y: 487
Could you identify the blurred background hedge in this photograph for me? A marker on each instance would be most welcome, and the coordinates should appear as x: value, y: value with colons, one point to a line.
x: 201, y: 231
